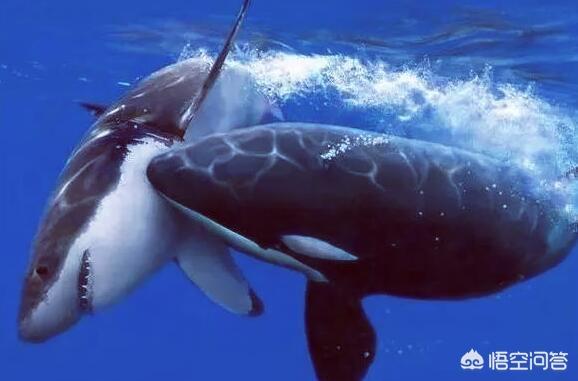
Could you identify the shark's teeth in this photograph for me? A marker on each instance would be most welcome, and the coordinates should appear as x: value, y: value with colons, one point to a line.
x: 85, y: 283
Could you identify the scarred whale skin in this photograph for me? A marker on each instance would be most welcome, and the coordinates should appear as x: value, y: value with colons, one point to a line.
x: 426, y: 220
x: 396, y: 216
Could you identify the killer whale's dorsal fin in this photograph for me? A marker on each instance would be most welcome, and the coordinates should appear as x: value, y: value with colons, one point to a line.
x: 94, y: 108
x: 193, y: 106
x: 340, y: 337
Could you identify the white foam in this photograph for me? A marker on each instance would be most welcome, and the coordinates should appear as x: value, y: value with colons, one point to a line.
x: 501, y: 120
x: 348, y: 143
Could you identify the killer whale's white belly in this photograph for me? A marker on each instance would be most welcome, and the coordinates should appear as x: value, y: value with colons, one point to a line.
x: 131, y: 233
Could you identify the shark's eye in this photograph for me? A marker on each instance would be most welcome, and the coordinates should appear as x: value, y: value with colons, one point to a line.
x: 42, y: 270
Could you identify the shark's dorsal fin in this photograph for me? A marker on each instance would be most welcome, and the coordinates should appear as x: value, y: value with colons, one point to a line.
x: 94, y: 108
x: 195, y: 103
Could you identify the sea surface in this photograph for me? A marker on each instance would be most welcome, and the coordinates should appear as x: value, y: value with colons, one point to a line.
x: 495, y: 77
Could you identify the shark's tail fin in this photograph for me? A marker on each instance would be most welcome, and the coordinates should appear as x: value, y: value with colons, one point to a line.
x: 195, y: 103
x: 340, y: 337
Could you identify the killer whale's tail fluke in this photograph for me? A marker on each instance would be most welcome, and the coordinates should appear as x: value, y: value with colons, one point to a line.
x: 195, y: 103
x: 340, y: 337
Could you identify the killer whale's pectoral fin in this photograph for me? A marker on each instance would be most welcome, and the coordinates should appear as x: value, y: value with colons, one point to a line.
x: 208, y: 263
x: 94, y: 108
x: 340, y: 337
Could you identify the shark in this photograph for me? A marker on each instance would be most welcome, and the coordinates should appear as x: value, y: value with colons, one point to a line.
x: 366, y: 214
x: 106, y: 229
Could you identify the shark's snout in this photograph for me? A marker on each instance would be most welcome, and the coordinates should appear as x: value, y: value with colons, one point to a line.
x: 45, y: 322
x: 53, y: 303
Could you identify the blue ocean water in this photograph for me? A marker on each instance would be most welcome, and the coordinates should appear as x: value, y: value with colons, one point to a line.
x: 495, y: 77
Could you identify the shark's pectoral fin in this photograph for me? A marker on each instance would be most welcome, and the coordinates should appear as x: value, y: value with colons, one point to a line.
x: 316, y: 248
x: 209, y: 265
x: 340, y: 337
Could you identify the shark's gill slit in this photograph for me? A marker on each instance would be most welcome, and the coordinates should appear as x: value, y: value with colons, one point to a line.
x: 85, y: 284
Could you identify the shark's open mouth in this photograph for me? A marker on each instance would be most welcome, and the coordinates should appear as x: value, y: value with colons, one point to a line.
x: 85, y: 284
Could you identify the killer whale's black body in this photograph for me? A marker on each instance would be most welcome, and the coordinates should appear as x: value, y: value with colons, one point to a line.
x: 424, y: 220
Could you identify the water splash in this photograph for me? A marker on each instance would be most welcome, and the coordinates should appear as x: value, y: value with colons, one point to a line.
x: 349, y: 143
x: 502, y: 120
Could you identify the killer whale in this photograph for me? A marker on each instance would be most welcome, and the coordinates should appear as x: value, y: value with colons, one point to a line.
x: 373, y: 214
x: 106, y: 229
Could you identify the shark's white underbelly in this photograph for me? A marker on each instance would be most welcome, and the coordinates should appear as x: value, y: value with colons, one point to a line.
x: 131, y: 233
